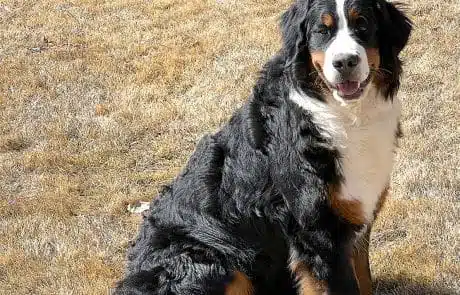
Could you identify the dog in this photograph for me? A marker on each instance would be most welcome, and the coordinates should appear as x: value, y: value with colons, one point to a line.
x: 281, y: 199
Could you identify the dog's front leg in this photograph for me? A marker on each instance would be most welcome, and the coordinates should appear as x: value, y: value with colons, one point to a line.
x: 360, y: 259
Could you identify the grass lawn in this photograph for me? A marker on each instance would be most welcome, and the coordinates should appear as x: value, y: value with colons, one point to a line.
x: 101, y: 103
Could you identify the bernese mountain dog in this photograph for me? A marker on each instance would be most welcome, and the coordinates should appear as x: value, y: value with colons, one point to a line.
x: 281, y: 200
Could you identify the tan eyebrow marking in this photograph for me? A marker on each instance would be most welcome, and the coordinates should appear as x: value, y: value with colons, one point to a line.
x: 353, y: 14
x: 327, y: 19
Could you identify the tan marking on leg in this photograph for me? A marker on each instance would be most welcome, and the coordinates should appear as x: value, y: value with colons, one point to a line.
x: 360, y: 256
x: 360, y: 262
x: 308, y: 284
x: 351, y: 210
x: 240, y: 285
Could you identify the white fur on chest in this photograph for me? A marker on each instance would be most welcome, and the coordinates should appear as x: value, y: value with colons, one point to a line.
x: 364, y: 133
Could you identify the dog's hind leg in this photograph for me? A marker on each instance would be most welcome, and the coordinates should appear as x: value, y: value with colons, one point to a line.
x: 181, y: 275
x: 157, y: 283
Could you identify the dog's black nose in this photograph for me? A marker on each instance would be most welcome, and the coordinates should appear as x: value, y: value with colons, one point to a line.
x: 345, y: 62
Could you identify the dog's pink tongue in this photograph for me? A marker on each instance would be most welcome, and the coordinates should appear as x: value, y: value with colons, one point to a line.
x: 348, y: 87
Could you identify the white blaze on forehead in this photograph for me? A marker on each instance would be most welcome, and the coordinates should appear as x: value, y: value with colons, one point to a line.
x: 342, y: 19
x: 344, y: 42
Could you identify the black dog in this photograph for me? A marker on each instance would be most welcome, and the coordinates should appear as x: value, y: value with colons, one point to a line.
x: 281, y: 200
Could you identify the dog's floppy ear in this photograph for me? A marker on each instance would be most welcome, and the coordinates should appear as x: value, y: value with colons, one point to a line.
x: 293, y: 29
x: 394, y: 29
x: 394, y: 26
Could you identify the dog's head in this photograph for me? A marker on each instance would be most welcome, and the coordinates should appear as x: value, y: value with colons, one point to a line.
x: 347, y: 45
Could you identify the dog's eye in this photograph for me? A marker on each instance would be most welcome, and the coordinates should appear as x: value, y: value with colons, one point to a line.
x: 362, y: 24
x: 322, y: 30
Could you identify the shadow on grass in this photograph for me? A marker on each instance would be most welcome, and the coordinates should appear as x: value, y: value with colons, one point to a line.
x: 403, y: 286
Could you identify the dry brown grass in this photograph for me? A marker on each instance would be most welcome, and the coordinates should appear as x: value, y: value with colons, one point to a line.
x: 102, y: 102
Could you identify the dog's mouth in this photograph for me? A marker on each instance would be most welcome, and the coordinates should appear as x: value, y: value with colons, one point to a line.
x: 349, y: 90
